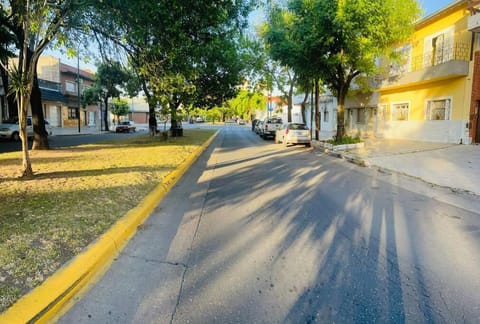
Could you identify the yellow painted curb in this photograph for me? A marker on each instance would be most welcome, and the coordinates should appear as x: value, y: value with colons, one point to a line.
x: 45, y: 301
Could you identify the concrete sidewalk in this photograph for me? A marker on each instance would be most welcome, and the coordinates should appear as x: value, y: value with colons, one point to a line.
x: 448, y: 165
x: 85, y: 130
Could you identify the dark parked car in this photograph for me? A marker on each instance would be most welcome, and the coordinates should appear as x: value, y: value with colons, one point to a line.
x: 125, y: 127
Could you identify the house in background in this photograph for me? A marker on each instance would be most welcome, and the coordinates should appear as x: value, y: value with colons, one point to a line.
x: 327, y: 111
x: 428, y: 95
x: 139, y: 110
x: 52, y: 101
x: 89, y: 116
x: 61, y: 109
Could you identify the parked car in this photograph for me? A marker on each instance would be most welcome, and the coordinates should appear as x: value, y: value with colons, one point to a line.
x: 293, y: 133
x: 269, y: 126
x: 12, y: 131
x: 199, y: 119
x: 258, y: 127
x: 125, y: 127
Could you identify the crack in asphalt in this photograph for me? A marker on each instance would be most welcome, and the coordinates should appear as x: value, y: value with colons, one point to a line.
x: 182, y: 282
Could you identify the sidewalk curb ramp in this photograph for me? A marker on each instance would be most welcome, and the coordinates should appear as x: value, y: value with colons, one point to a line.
x: 54, y: 295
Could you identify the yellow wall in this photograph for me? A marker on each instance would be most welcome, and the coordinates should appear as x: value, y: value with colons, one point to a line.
x: 456, y: 87
x: 458, y: 18
x: 418, y: 95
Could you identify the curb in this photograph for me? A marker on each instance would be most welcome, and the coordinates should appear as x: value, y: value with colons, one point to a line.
x: 345, y: 156
x: 44, y: 302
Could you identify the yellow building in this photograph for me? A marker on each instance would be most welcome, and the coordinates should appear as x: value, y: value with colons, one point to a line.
x: 428, y: 95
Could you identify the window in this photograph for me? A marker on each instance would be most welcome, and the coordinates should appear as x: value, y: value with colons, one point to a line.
x: 360, y: 115
x: 325, y: 115
x: 438, y: 109
x: 438, y: 48
x: 70, y: 86
x: 72, y: 113
x: 400, y: 111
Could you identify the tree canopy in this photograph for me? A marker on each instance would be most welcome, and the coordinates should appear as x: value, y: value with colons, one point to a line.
x: 339, y: 40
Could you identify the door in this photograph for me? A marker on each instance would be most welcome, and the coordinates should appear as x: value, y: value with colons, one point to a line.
x: 54, y: 116
x: 91, y: 118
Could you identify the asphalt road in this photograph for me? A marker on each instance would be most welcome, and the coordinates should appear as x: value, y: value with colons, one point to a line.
x: 258, y: 233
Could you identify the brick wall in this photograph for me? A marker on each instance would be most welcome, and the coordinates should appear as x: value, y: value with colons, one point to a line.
x: 475, y: 97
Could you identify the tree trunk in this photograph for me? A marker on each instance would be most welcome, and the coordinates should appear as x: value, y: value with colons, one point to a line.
x: 290, y: 102
x: 340, y: 115
x: 317, y: 110
x: 40, y: 136
x: 105, y: 114
x: 27, y: 171
x: 304, y: 107
x: 152, y: 119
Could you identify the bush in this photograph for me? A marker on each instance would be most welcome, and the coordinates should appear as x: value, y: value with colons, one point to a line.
x: 345, y: 140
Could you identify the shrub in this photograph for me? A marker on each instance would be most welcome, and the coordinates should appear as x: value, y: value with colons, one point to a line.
x: 345, y: 140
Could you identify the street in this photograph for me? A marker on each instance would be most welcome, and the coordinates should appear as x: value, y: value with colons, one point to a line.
x: 255, y: 232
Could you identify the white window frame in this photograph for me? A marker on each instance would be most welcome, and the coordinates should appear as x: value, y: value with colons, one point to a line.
x: 397, y: 103
x: 430, y: 58
x: 69, y: 85
x: 448, y: 107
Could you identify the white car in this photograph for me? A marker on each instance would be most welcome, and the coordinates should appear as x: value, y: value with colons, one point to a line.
x: 11, y: 131
x: 293, y: 133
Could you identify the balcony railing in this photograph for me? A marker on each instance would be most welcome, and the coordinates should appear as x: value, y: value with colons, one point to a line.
x: 49, y: 85
x: 456, y: 52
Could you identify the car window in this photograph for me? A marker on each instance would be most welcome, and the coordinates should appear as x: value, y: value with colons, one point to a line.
x: 298, y: 126
x: 275, y: 121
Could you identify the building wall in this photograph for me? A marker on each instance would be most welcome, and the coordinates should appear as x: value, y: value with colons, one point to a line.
x: 428, y: 88
x: 48, y: 68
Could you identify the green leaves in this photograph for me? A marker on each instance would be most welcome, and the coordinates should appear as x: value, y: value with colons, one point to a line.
x: 119, y: 107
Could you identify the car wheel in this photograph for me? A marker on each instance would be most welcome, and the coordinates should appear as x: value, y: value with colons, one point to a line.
x: 15, y: 136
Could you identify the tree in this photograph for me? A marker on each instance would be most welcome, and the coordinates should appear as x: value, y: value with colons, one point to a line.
x: 283, y: 49
x: 110, y: 77
x: 182, y: 51
x: 119, y: 107
x: 35, y: 24
x: 245, y: 103
x: 48, y: 22
x: 214, y: 114
x: 342, y: 39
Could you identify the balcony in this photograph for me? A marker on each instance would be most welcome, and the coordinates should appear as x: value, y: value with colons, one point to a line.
x: 473, y: 23
x: 445, y: 63
x: 45, y: 84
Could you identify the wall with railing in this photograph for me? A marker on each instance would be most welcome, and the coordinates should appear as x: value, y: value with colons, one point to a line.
x: 456, y: 52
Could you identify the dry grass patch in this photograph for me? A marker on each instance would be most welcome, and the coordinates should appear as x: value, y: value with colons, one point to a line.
x: 76, y: 195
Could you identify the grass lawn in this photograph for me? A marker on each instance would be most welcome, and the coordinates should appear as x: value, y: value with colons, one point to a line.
x: 76, y: 195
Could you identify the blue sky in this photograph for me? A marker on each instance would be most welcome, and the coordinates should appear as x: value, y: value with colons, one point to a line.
x: 430, y: 6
